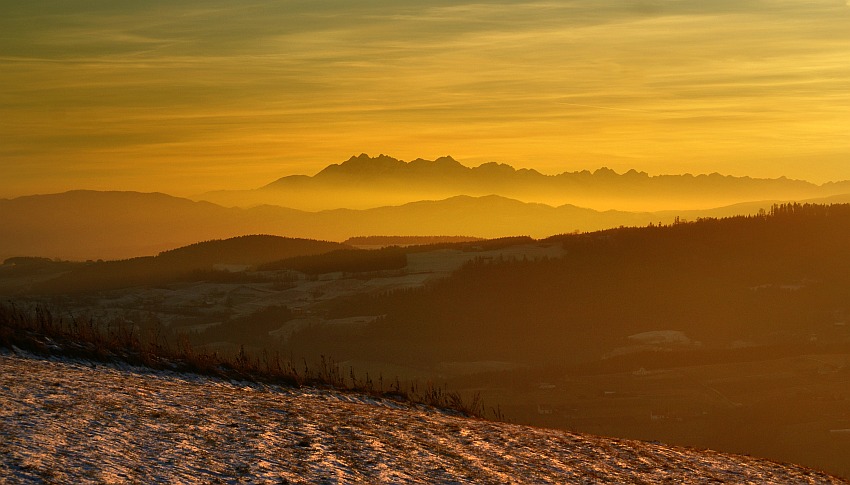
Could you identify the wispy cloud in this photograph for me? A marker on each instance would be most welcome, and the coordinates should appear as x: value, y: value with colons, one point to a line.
x: 222, y: 86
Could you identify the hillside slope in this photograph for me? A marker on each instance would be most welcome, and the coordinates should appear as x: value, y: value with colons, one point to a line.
x: 80, y: 225
x: 236, y: 253
x: 73, y: 422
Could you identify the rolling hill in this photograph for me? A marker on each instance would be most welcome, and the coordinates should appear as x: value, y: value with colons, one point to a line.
x: 83, y: 225
x: 223, y: 256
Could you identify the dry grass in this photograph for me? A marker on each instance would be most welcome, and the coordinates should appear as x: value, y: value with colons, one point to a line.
x: 39, y: 331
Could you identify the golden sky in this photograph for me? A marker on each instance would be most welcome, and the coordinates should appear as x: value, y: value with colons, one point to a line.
x: 195, y: 95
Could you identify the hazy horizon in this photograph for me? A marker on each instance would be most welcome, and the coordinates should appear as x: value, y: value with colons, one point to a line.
x: 675, y: 332
x: 204, y: 180
x: 209, y: 95
x: 12, y: 192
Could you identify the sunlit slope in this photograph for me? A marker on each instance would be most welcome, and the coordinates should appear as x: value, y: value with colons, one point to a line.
x: 65, y: 422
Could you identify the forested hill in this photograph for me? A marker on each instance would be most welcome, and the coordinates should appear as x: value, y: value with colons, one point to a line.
x: 246, y: 250
x: 212, y: 258
x: 769, y: 281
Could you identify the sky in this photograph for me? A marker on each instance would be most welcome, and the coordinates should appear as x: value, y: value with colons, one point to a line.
x: 188, y: 96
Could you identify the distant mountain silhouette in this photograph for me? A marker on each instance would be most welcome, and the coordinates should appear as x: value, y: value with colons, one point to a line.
x: 111, y: 225
x: 82, y: 225
x: 367, y: 182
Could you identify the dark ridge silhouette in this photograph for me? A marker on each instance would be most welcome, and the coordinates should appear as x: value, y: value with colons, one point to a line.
x: 384, y: 241
x: 87, y: 225
x: 204, y: 260
x: 246, y: 250
x: 343, y: 260
x: 773, y: 279
x: 81, y: 225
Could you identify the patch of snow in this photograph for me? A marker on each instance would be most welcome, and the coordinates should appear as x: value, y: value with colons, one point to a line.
x: 67, y: 421
x: 661, y: 337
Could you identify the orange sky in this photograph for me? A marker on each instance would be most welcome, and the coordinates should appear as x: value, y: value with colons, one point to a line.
x: 185, y: 97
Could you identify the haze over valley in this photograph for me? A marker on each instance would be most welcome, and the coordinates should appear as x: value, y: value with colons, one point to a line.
x: 425, y: 242
x: 355, y: 199
x: 363, y: 182
x: 616, y: 332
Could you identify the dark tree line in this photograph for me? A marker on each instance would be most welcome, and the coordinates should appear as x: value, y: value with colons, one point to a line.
x: 770, y: 279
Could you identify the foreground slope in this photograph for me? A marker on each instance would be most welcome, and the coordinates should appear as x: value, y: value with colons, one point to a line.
x: 73, y: 422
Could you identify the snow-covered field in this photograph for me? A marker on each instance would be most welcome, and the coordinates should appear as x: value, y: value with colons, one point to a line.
x: 64, y: 421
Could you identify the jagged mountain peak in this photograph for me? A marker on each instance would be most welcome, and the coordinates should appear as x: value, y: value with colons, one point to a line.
x: 495, y: 167
x: 605, y: 171
x: 635, y: 173
x: 367, y: 181
x: 363, y: 164
x: 447, y: 159
x: 445, y: 163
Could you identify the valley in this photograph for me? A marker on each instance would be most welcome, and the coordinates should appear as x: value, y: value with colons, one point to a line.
x: 616, y: 333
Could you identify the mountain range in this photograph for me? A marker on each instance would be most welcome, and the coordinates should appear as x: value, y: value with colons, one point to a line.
x: 363, y: 182
x: 384, y: 196
x: 81, y: 225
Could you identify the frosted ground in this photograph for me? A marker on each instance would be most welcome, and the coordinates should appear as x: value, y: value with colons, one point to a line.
x: 65, y: 421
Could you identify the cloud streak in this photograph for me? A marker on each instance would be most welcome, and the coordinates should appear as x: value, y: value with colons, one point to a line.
x: 243, y: 94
